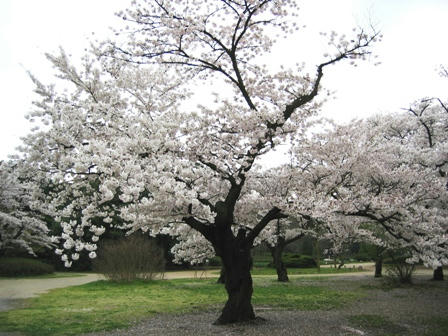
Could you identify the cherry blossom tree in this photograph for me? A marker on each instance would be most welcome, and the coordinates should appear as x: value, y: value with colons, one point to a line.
x: 88, y: 137
x: 21, y: 224
x: 429, y: 126
x: 278, y: 240
x: 271, y: 187
x: 122, y: 129
x: 373, y: 170
x: 294, y: 183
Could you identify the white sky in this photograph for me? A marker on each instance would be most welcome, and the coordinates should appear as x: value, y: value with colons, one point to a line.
x: 414, y: 45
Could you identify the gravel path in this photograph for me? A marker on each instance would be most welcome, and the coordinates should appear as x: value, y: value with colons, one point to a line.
x: 25, y: 288
x: 13, y: 291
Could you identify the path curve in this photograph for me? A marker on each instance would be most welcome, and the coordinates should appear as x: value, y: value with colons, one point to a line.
x: 25, y: 288
x: 13, y: 291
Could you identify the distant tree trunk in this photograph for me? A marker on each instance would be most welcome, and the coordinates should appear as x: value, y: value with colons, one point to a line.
x: 379, y: 258
x: 277, y: 253
x: 222, y: 276
x: 316, y: 253
x: 438, y: 274
x: 379, y: 267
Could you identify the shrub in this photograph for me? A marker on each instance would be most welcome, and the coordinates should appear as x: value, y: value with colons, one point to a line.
x: 297, y: 261
x: 130, y: 258
x: 397, y: 269
x: 215, y: 261
x: 13, y: 267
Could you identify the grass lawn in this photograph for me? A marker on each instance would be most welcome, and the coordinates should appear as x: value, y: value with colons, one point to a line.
x: 353, y: 302
x: 380, y: 325
x: 377, y: 323
x: 105, y: 305
x: 302, y: 271
x: 441, y: 326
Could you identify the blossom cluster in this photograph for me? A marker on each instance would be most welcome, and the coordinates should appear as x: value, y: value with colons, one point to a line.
x: 22, y: 226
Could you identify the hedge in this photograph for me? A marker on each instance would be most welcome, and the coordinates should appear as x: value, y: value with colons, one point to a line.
x: 12, y: 267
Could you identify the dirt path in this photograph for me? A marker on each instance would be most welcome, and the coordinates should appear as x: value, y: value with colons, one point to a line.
x: 13, y: 291
x: 25, y: 288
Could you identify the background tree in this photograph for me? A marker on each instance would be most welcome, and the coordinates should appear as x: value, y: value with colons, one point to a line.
x: 280, y: 236
x: 364, y: 171
x: 375, y: 252
x: 429, y: 121
x: 272, y: 186
x: 22, y: 226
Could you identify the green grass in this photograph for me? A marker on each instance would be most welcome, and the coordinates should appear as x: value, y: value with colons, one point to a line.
x: 262, y: 260
x: 302, y: 271
x: 377, y: 324
x: 297, y: 294
x: 48, y: 276
x: 105, y: 305
x: 368, y: 321
x: 439, y: 326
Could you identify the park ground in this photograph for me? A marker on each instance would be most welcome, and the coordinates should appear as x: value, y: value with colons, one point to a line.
x: 378, y: 309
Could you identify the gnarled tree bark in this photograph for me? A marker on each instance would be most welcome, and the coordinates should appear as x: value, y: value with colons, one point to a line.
x: 235, y: 253
x: 238, y: 284
x: 222, y: 276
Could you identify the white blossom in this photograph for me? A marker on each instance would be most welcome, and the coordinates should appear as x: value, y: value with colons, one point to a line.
x: 121, y: 145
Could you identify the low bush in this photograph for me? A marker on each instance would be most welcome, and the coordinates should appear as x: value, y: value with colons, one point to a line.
x: 130, y: 258
x: 296, y: 261
x: 397, y: 269
x: 13, y: 267
x: 215, y: 261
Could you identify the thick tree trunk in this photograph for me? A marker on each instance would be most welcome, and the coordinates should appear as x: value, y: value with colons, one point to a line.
x: 379, y: 267
x: 277, y: 252
x: 234, y: 251
x: 438, y: 274
x: 238, y: 284
x: 222, y: 276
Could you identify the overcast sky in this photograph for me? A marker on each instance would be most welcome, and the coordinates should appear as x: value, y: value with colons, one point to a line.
x: 413, y: 47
